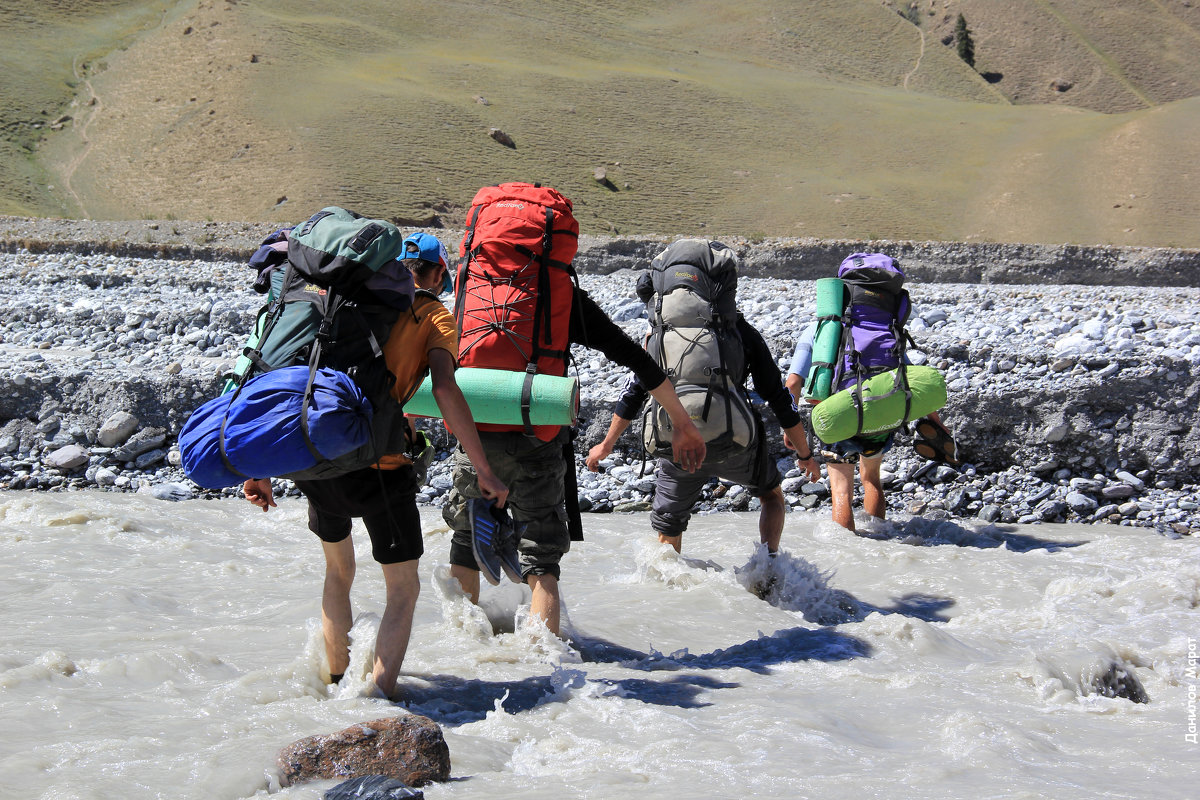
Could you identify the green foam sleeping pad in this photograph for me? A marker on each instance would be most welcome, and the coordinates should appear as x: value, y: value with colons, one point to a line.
x: 494, y: 396
x: 836, y: 419
x: 831, y: 302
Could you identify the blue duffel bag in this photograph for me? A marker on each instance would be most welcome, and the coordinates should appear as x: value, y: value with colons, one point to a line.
x: 263, y: 427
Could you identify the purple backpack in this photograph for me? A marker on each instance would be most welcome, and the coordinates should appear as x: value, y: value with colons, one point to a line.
x: 877, y: 306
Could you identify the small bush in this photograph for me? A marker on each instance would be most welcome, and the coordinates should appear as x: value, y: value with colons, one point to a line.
x: 963, y: 42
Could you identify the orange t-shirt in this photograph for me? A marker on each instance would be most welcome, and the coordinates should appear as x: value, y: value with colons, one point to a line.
x: 427, y: 326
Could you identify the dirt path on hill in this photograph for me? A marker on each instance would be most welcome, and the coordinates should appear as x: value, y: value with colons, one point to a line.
x: 93, y: 106
x: 920, y: 56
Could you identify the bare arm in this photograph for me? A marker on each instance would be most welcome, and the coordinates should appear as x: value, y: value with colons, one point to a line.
x: 457, y: 413
x: 604, y: 449
x: 797, y: 433
x: 687, y: 445
x: 795, y: 385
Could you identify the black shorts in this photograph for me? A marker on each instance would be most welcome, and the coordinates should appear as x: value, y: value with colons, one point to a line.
x: 851, y: 450
x: 385, y: 500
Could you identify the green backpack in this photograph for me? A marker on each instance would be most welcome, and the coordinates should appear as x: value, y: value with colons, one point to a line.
x: 332, y: 303
x: 334, y: 257
x: 339, y: 249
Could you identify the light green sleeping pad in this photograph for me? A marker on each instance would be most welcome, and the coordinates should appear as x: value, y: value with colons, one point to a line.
x: 836, y: 419
x: 494, y: 396
x: 831, y: 303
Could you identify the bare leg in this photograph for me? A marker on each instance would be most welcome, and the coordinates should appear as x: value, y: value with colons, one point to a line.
x: 675, y: 541
x: 391, y: 644
x: 770, y: 519
x: 545, y: 602
x: 873, y: 502
x: 468, y: 579
x: 841, y: 490
x: 336, y: 616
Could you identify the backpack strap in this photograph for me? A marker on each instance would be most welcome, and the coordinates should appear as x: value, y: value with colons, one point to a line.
x: 460, y: 283
x: 221, y: 449
x: 903, y: 339
x: 723, y: 368
x: 845, y: 349
x: 366, y: 236
x: 304, y: 430
x: 541, y: 308
x: 902, y: 384
x: 544, y: 276
x: 542, y: 316
x: 274, y: 311
x: 254, y: 354
x: 571, y: 487
x: 313, y: 220
x: 858, y: 406
x: 527, y: 397
x: 324, y: 337
x: 903, y: 308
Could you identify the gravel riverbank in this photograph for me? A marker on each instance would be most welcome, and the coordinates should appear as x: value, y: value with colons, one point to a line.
x: 1072, y: 402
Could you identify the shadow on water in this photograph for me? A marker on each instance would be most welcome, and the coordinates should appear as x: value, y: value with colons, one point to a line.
x: 448, y: 699
x: 922, y: 532
x: 757, y: 655
x: 838, y: 607
x: 925, y: 607
x: 452, y: 700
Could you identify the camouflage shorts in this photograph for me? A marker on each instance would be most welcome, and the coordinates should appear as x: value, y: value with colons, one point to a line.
x: 534, y: 472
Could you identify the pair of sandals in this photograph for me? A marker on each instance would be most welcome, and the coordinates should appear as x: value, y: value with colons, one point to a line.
x: 494, y: 541
x: 935, y: 443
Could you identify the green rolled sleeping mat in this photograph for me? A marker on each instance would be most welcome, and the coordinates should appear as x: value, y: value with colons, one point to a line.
x: 243, y: 363
x: 836, y: 419
x: 494, y: 396
x: 831, y: 303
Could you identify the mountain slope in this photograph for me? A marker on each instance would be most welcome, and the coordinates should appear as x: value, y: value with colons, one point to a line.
x: 755, y: 118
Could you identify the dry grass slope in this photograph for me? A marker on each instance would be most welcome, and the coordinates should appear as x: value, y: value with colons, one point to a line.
x: 756, y: 118
x: 44, y: 48
x: 1114, y: 56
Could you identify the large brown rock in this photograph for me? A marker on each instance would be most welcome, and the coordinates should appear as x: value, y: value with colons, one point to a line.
x: 409, y: 748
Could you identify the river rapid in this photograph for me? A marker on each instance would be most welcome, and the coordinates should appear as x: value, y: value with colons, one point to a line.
x: 170, y: 650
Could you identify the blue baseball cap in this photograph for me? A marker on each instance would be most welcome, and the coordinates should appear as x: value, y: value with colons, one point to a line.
x: 428, y: 248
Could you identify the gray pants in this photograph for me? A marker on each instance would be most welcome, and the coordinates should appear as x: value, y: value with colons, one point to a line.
x: 676, y: 491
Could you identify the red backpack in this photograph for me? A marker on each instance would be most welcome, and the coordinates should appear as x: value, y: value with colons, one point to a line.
x: 515, y: 286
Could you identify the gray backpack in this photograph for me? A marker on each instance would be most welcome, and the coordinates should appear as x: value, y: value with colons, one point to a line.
x: 690, y: 293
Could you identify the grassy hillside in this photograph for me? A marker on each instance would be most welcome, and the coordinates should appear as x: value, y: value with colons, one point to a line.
x: 754, y: 118
x: 44, y: 49
x: 1104, y: 56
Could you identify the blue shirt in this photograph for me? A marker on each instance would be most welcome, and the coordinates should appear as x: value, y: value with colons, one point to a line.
x: 802, y: 358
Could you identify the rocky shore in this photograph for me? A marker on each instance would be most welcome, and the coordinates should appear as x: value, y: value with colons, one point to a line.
x: 1074, y: 373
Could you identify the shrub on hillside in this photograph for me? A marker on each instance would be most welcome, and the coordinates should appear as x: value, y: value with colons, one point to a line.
x: 963, y: 41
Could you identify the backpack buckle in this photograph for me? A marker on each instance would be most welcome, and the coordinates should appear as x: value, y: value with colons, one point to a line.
x: 325, y: 331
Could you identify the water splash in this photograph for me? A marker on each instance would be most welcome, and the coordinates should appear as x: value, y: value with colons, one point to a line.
x: 792, y: 583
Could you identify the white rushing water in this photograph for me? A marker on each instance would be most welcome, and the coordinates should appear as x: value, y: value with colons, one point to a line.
x: 170, y: 650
